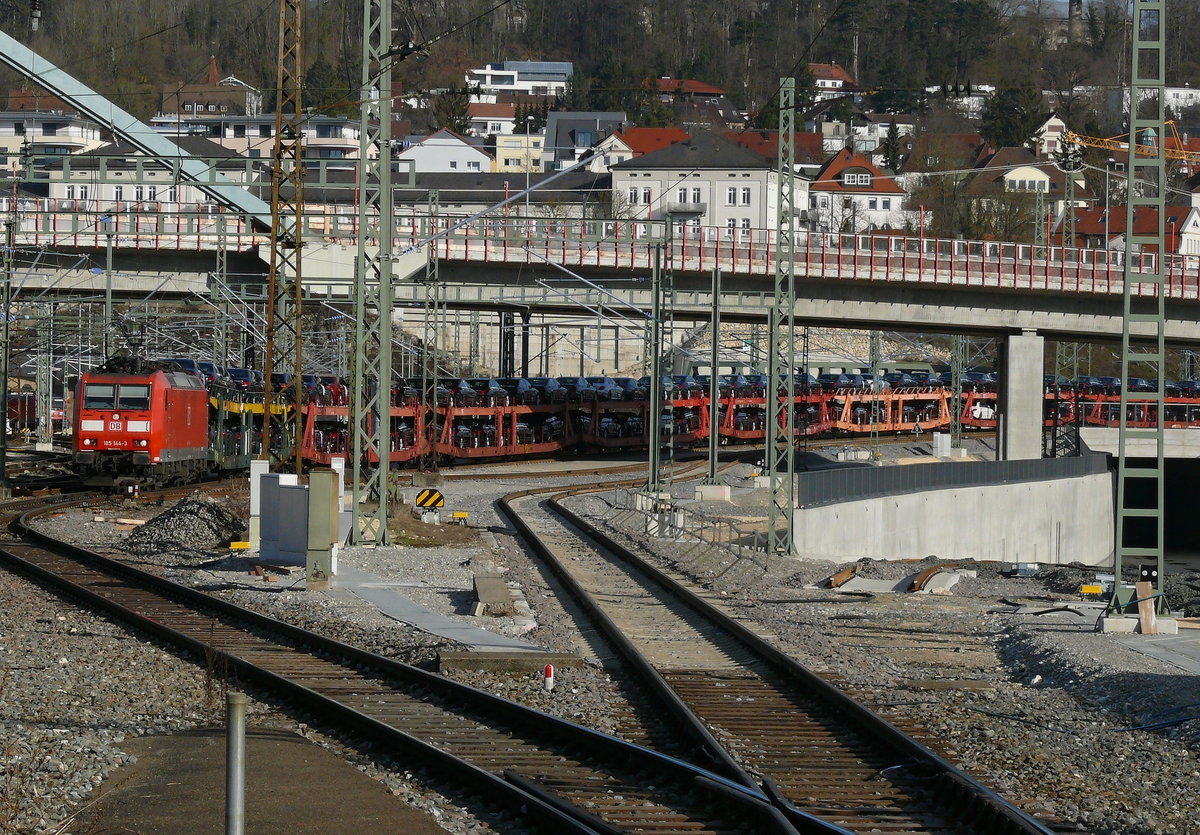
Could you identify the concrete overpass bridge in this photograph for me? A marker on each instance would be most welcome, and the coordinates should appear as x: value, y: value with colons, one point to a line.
x: 1018, y: 292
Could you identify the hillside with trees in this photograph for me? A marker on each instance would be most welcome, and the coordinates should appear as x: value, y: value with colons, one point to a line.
x: 131, y: 49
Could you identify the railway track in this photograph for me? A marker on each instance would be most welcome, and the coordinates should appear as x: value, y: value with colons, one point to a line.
x: 829, y: 762
x: 553, y: 775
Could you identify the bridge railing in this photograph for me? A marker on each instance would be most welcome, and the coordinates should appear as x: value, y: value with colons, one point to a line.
x: 621, y: 244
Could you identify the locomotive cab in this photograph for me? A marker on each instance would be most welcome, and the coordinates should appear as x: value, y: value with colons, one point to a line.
x: 146, y: 428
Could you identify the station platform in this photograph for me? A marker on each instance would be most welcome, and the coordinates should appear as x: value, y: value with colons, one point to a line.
x: 293, y: 787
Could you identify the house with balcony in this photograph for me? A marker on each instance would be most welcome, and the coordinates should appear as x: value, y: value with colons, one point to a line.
x: 325, y: 137
x: 491, y: 119
x: 445, y: 151
x: 851, y: 194
x: 712, y: 181
x: 511, y: 80
x: 46, y: 133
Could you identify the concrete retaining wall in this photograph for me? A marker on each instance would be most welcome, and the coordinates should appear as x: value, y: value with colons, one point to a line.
x: 1058, y: 521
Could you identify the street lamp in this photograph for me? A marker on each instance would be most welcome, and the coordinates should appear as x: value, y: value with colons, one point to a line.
x: 1108, y: 167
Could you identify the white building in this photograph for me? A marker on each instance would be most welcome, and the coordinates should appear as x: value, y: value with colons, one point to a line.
x: 325, y: 137
x: 46, y: 133
x: 716, y: 181
x: 544, y: 79
x: 445, y: 151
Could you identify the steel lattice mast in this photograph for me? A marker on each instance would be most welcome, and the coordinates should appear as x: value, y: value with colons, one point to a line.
x: 283, y: 349
x: 781, y: 378
x: 373, y: 279
x: 1140, y: 492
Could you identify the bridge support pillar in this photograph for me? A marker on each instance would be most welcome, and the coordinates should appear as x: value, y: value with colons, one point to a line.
x: 1020, y: 430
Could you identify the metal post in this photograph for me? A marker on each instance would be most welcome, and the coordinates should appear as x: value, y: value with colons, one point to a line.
x: 109, y: 228
x: 655, y: 401
x: 1108, y: 167
x: 372, y: 388
x: 10, y: 225
x: 235, y: 763
x: 714, y: 384
x: 957, y: 354
x: 781, y: 379
x: 429, y: 366
x: 1140, y: 494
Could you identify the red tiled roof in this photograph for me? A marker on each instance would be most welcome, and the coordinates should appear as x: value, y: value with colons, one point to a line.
x: 765, y: 143
x: 829, y: 177
x: 486, y: 110
x: 830, y: 72
x: 687, y: 86
x: 26, y: 98
x: 1089, y: 222
x: 645, y: 140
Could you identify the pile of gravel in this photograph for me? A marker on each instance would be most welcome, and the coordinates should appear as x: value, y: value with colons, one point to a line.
x: 191, y: 528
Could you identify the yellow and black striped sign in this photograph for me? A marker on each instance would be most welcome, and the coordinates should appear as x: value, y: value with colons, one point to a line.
x: 431, y: 498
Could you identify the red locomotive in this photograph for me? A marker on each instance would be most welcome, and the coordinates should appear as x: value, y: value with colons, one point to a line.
x: 140, y: 422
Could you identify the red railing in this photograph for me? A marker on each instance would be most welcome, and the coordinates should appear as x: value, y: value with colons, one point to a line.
x: 624, y: 245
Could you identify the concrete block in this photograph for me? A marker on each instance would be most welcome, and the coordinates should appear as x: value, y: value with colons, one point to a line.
x: 941, y: 444
x: 712, y: 493
x: 493, y: 595
x: 762, y: 481
x: 1167, y: 626
x: 1118, y: 623
x: 427, y: 479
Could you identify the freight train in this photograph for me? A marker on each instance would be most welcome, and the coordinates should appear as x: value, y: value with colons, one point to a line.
x: 153, y: 424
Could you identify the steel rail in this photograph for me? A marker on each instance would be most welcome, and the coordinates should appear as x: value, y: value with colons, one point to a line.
x: 565, y: 742
x: 989, y: 812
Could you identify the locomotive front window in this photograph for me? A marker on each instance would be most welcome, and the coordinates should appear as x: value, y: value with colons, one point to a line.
x: 133, y: 397
x: 99, y: 396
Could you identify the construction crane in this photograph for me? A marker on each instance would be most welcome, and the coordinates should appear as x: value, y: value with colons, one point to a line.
x: 1173, y: 150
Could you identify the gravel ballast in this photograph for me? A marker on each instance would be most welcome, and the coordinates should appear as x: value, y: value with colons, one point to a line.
x: 1044, y: 726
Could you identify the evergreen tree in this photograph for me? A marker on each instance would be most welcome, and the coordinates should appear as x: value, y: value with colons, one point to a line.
x: 450, y: 108
x: 1012, y: 116
x: 891, y: 148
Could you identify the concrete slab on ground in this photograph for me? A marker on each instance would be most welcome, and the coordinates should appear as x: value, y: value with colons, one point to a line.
x: 1181, y: 650
x: 178, y: 785
x: 387, y: 598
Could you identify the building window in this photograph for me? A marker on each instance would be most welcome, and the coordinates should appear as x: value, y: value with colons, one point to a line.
x: 682, y: 195
x: 172, y: 195
x: 139, y: 193
x: 118, y: 193
x: 695, y: 195
x: 255, y: 153
x: 731, y: 224
x: 731, y: 196
x: 872, y: 204
x: 239, y: 131
x: 537, y: 143
x: 212, y: 108
x: 856, y: 179
x: 745, y: 195
x: 512, y: 162
x: 453, y: 163
x: 70, y: 192
x: 812, y: 201
x: 264, y: 131
x: 494, y: 127
x: 647, y: 195
x: 887, y: 204
x: 633, y: 197
x: 746, y: 223
x: 472, y: 165
x: 50, y: 128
